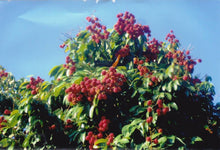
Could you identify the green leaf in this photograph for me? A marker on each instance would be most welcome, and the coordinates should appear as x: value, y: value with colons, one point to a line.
x: 91, y: 111
x: 83, y: 35
x: 175, y: 87
x: 155, y: 135
x: 136, y: 121
x: 160, y: 58
x: 14, y: 120
x: 100, y: 141
x: 179, y: 139
x: 58, y: 89
x: 141, y: 90
x: 171, y: 139
x: 169, y: 71
x: 78, y: 80
x: 4, y: 142
x: 125, y: 129
x: 173, y: 105
x: 82, y: 137
x: 123, y: 141
x: 162, y: 139
x: 196, y: 139
x: 27, y: 140
x: 23, y: 84
x: 54, y: 70
x: 169, y: 87
x: 11, y: 147
x: 208, y: 78
x: 191, y: 88
x: 168, y: 96
x: 134, y: 94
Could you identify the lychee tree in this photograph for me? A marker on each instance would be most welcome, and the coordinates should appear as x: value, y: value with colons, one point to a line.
x: 119, y: 88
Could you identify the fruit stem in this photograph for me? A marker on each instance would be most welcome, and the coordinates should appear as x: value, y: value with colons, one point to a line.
x: 116, y: 61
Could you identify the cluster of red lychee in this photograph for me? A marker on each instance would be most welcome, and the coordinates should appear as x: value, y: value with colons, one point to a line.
x: 103, y: 127
x: 62, y: 45
x: 126, y: 24
x: 112, y: 80
x: 3, y: 73
x: 2, y: 119
x: 154, y: 46
x: 183, y: 59
x: 155, y: 141
x: 153, y: 80
x: 52, y: 127
x: 74, y: 93
x: 103, y: 124
x: 70, y: 64
x: 91, y: 138
x: 161, y: 110
x: 152, y: 50
x: 143, y: 69
x: 69, y: 124
x: 34, y: 85
x: 97, y: 30
x: 110, y: 138
x: 123, y: 52
x: 7, y: 112
x: 111, y: 83
x: 171, y: 38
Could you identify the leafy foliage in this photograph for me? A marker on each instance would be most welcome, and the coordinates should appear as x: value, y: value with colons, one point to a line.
x: 117, y: 89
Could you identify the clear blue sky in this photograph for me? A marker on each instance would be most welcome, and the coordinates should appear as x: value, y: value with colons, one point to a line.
x: 31, y: 31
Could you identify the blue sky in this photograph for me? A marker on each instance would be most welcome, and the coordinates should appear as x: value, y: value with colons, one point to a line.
x: 31, y: 31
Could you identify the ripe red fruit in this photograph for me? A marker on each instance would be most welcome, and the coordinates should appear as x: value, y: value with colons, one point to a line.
x: 108, y: 143
x: 68, y: 121
x: 141, y: 62
x: 151, y: 84
x: 149, y: 109
x: 158, y: 112
x: 1, y: 119
x: 187, y: 52
x: 115, y: 90
x: 53, y: 127
x: 160, y: 130
x: 104, y: 27
x: 99, y: 96
x: 199, y: 60
x: 100, y: 135
x: 149, y: 120
x: 104, y: 72
x: 105, y: 125
x: 62, y: 46
x: 28, y: 86
x: 135, y: 60
x: 90, y: 133
x: 33, y: 92
x: 155, y: 141
x: 185, y: 77
x: 153, y: 79
x: 88, y: 138
x: 149, y: 102
x: 165, y: 110
x: 160, y: 103
x: 148, y: 139
x: 111, y: 134
x: 7, y: 112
